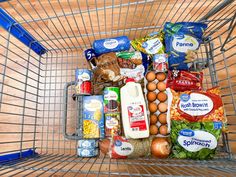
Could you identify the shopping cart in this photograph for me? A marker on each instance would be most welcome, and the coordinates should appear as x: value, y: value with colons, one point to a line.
x: 41, y: 45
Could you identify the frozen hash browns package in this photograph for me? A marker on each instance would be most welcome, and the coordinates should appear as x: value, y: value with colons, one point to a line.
x: 182, y: 41
x: 197, y: 120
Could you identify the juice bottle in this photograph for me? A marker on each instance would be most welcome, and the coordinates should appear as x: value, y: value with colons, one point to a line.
x: 134, y: 112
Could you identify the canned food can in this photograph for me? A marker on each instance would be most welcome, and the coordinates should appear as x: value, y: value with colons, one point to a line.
x: 88, y: 143
x: 112, y: 124
x: 86, y: 152
x: 83, y: 82
x: 111, y: 99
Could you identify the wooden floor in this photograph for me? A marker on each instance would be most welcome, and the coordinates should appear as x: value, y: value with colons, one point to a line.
x: 66, y: 38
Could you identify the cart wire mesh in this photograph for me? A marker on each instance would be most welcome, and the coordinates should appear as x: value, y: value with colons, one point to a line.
x: 31, y: 85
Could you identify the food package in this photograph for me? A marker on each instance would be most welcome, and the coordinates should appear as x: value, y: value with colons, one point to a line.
x: 182, y: 41
x: 87, y: 152
x: 91, y: 56
x: 157, y: 95
x: 184, y: 80
x: 197, y: 121
x: 129, y: 59
x: 122, y: 148
x: 150, y: 44
x: 116, y: 44
x: 160, y: 62
x: 112, y: 124
x: 107, y: 68
x: 92, y: 143
x: 93, y: 117
x: 137, y: 73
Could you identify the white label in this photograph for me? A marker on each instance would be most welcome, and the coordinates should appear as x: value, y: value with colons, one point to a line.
x: 111, y: 95
x: 124, y: 149
x: 152, y: 46
x: 199, y: 140
x: 111, y: 123
x: 93, y: 105
x: 184, y: 43
x: 196, y: 104
x: 110, y: 43
x: 84, y: 77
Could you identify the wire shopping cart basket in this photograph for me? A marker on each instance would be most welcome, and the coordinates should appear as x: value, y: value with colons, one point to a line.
x: 41, y: 45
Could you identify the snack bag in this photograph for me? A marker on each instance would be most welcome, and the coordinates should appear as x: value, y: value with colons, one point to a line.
x: 182, y: 41
x: 184, y: 80
x: 151, y: 44
x: 197, y: 119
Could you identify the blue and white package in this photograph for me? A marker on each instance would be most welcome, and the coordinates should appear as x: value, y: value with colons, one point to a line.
x: 182, y: 41
x: 87, y: 143
x: 86, y: 152
x: 116, y: 44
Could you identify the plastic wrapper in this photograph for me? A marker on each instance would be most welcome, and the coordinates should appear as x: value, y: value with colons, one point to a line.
x: 129, y: 59
x: 137, y: 73
x: 182, y: 41
x: 116, y: 44
x: 150, y: 44
x: 184, y: 80
x: 197, y: 121
x: 122, y: 148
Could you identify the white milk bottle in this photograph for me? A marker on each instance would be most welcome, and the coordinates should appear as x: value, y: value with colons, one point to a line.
x: 134, y: 112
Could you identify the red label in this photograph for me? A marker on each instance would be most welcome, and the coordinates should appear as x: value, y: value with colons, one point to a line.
x: 136, y: 118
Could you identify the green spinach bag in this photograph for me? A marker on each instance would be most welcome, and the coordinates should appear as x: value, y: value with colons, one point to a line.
x: 197, y: 120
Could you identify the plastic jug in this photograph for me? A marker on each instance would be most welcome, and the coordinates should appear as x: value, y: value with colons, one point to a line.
x: 134, y: 112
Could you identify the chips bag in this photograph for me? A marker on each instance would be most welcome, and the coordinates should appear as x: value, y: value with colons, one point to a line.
x: 197, y: 120
x: 150, y: 44
x: 182, y: 41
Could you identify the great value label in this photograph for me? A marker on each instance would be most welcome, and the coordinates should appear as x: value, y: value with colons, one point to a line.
x: 195, y: 140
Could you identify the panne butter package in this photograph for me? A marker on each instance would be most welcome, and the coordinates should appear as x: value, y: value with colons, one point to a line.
x: 93, y: 117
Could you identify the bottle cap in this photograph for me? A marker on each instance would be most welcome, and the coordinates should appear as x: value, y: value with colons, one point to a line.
x: 129, y: 80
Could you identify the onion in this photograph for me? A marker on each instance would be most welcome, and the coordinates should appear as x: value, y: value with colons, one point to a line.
x: 104, y: 146
x: 160, y: 148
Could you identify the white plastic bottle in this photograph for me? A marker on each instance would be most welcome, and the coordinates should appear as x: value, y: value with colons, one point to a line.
x: 134, y: 112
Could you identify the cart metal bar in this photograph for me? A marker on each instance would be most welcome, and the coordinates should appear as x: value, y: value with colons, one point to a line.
x: 216, y: 9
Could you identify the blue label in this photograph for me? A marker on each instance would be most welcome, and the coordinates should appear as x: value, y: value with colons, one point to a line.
x: 118, y: 143
x: 144, y: 45
x: 184, y: 97
x: 217, y: 125
x: 186, y: 132
x: 108, y: 118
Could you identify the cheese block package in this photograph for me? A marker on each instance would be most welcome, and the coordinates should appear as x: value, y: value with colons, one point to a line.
x: 197, y: 121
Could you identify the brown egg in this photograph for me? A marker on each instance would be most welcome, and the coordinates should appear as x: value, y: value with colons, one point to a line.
x: 153, y: 129
x: 161, y: 86
x: 162, y: 96
x: 151, y: 86
x: 151, y: 76
x: 153, y: 119
x: 163, y: 130
x: 151, y: 96
x: 160, y: 76
x: 152, y: 107
x: 162, y: 107
x: 162, y: 118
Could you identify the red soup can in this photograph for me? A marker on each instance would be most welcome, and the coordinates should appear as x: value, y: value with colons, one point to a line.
x: 83, y: 82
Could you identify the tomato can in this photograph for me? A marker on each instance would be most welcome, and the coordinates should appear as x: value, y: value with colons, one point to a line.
x: 83, y: 82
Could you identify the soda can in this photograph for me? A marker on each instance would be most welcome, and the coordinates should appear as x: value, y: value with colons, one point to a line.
x: 83, y: 82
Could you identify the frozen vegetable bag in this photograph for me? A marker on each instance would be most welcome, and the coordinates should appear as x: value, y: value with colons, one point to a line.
x: 182, y: 41
x: 197, y: 120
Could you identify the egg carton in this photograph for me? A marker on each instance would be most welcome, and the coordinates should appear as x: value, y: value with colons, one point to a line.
x: 156, y: 101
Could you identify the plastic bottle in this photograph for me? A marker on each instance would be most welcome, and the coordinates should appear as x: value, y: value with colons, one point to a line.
x: 134, y: 112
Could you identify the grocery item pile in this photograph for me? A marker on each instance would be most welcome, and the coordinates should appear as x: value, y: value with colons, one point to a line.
x: 142, y: 97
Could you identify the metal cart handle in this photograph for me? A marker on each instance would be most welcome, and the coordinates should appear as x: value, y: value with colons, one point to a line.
x: 64, y: 115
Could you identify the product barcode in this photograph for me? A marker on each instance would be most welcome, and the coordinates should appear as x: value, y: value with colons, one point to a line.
x: 135, y: 129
